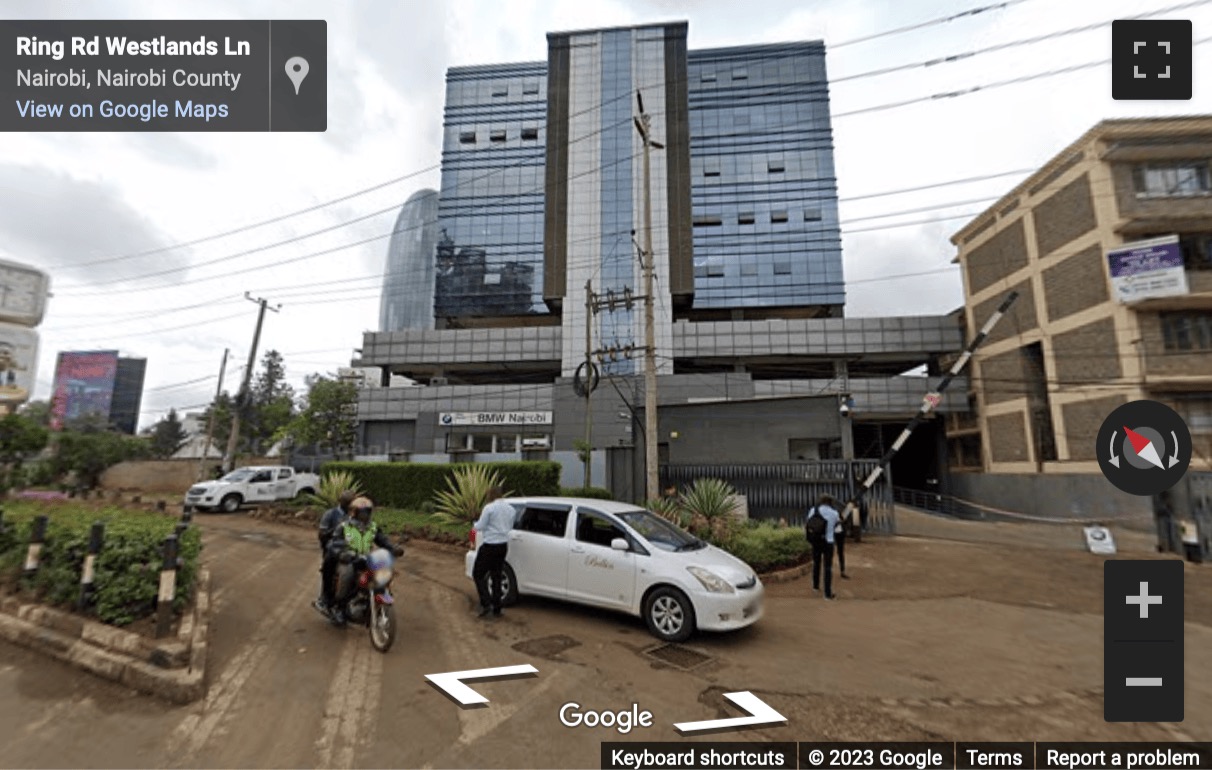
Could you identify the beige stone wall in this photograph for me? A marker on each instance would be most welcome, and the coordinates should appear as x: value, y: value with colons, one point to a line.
x: 165, y: 476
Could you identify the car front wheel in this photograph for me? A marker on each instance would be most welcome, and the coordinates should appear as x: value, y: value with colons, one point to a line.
x: 669, y: 615
x: 230, y: 504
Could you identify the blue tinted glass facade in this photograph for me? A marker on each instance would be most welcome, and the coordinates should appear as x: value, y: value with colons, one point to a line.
x: 618, y: 165
x: 763, y: 192
x: 408, y: 279
x: 489, y: 254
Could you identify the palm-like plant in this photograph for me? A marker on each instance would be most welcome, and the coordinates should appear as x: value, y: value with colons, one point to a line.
x: 711, y: 504
x: 466, y: 493
x: 332, y: 485
x: 667, y: 508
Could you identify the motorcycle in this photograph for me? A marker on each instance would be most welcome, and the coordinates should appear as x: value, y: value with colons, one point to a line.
x: 370, y: 602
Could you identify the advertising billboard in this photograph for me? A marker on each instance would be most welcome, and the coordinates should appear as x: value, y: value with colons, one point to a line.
x: 18, y: 363
x: 1147, y: 269
x: 84, y: 384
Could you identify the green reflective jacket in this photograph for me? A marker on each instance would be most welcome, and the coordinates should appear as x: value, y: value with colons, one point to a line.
x: 361, y: 543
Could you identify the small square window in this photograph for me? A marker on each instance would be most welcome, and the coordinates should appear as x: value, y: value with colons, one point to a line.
x: 740, y: 74
x: 745, y: 218
x: 500, y: 90
x: 715, y: 269
x: 467, y: 137
x: 531, y: 134
x: 708, y: 77
x: 749, y: 268
x: 782, y: 268
x: 778, y: 217
x: 530, y: 87
x: 812, y: 215
x: 775, y: 166
x: 496, y: 136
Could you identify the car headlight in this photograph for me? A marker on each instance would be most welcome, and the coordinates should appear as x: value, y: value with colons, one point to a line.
x: 711, y: 581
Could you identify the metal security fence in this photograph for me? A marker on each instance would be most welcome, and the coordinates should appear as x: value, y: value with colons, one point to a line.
x: 788, y: 490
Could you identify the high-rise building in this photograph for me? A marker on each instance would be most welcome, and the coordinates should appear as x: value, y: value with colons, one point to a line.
x: 128, y: 394
x: 408, y: 278
x: 544, y: 199
x: 98, y: 382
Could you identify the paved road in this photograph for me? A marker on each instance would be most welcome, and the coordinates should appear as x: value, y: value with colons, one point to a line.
x: 911, y: 652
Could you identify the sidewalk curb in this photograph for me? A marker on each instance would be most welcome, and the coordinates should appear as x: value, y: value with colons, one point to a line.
x: 172, y: 669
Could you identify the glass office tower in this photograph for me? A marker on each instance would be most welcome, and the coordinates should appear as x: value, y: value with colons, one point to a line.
x: 408, y: 279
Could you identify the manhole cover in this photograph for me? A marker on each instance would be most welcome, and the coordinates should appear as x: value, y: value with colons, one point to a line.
x: 547, y: 646
x: 677, y: 655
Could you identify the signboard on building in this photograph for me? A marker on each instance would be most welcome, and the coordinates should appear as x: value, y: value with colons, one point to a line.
x: 18, y: 362
x: 1147, y: 269
x: 84, y: 384
x: 23, y: 293
x: 495, y: 418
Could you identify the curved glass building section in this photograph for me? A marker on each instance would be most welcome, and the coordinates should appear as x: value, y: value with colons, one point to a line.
x: 408, y: 279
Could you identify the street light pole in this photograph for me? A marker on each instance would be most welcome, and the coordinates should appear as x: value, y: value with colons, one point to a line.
x: 651, y: 466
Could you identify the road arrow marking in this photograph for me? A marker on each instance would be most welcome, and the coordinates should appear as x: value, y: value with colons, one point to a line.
x: 760, y: 713
x: 452, y: 685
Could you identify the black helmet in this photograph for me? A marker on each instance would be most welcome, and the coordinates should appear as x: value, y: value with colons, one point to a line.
x: 361, y: 509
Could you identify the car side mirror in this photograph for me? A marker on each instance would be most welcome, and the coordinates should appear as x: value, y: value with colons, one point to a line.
x: 620, y: 544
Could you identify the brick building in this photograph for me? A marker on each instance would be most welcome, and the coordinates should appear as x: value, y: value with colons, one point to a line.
x: 1073, y: 348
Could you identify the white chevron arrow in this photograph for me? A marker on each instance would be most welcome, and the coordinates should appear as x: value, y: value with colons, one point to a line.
x: 760, y: 713
x: 451, y: 682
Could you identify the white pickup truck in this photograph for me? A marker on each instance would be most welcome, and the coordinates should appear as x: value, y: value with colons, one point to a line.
x: 251, y: 485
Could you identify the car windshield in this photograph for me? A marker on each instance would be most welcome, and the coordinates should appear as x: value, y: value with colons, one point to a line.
x: 659, y: 532
x: 241, y: 475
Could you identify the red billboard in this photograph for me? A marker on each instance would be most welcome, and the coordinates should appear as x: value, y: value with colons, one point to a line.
x: 84, y: 385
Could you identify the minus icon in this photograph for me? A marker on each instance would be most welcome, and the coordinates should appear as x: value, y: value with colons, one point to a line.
x: 1144, y: 681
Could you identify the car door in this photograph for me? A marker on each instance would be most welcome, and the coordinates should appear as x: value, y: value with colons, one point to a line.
x: 597, y: 573
x: 538, y: 548
x: 261, y: 487
x: 285, y: 488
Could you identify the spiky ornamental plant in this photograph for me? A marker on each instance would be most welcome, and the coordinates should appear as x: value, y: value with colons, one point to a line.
x: 466, y: 494
x: 331, y: 487
x: 711, y: 504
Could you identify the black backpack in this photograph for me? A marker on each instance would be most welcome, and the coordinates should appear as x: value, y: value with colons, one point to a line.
x: 815, y: 528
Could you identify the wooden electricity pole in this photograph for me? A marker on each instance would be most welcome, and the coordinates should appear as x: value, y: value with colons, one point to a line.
x: 229, y: 458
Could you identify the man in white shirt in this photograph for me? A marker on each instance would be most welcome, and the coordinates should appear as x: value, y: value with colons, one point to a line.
x: 492, y: 534
x: 822, y: 547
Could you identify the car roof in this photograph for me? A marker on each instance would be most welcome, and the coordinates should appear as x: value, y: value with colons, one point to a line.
x: 605, y: 506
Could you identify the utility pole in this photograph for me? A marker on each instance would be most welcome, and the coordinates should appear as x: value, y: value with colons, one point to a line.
x: 589, y: 311
x: 643, y: 125
x: 210, y: 421
x: 229, y: 457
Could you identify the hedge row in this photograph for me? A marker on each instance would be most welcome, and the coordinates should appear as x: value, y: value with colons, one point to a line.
x: 596, y: 493
x: 127, y: 575
x: 411, y: 485
x: 766, y: 547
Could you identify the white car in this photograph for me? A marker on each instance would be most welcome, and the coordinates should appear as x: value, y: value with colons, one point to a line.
x: 622, y: 557
x: 250, y: 485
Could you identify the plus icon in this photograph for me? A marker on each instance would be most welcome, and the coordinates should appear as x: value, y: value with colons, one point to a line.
x: 1151, y: 60
x: 1144, y: 600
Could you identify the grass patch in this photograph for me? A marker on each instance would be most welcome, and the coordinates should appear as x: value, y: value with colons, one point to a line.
x: 423, y: 526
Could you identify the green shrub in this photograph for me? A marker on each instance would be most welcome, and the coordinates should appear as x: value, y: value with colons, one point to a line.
x: 766, y: 547
x: 127, y: 569
x: 411, y: 485
x: 466, y: 494
x: 595, y: 493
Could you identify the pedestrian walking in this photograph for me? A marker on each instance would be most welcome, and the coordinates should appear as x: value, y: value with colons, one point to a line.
x: 821, y: 529
x: 492, y: 532
x: 840, y: 532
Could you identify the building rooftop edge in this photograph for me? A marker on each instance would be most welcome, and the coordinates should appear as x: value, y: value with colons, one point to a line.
x: 1103, y: 129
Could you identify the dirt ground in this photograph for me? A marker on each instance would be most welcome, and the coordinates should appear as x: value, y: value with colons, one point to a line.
x: 954, y: 631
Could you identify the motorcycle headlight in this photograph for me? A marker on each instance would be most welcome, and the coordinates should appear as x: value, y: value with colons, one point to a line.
x: 382, y: 576
x: 711, y: 581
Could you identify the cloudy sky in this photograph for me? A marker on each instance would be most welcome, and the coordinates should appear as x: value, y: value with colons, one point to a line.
x: 125, y: 223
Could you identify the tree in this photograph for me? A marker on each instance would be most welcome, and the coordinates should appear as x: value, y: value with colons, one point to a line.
x: 271, y: 404
x: 20, y: 437
x: 38, y: 411
x: 167, y: 436
x: 221, y: 408
x: 328, y: 416
x: 86, y: 446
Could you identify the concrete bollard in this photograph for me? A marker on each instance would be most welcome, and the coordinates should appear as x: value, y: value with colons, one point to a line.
x: 168, y: 588
x: 36, y: 539
x: 87, y: 575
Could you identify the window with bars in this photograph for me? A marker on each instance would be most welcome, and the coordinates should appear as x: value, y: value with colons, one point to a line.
x: 1175, y: 179
x: 1184, y: 332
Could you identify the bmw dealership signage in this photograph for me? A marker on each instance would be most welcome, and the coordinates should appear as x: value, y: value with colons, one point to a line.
x: 495, y: 418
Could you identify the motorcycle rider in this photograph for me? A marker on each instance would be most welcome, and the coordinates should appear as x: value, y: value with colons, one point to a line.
x: 330, y: 522
x: 357, y: 536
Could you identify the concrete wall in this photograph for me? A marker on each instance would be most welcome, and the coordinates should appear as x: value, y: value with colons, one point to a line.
x: 753, y: 431
x: 1069, y: 495
x: 166, y: 476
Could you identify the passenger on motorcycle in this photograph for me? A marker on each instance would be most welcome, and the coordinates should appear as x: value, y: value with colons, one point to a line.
x: 358, y: 536
x: 332, y: 521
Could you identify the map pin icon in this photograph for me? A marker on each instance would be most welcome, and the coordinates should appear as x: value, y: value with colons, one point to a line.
x: 296, y: 70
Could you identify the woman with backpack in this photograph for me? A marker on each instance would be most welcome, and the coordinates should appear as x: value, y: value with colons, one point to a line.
x: 820, y: 529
